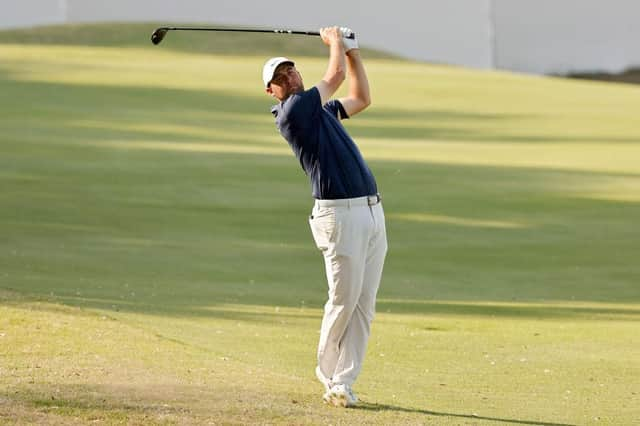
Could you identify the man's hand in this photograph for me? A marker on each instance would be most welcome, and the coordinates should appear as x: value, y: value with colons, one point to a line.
x: 349, y: 43
x: 331, y: 35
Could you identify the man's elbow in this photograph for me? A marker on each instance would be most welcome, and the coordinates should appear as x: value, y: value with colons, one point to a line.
x: 358, y: 105
x: 365, y: 101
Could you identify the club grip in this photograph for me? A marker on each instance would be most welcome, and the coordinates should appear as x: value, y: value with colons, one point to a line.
x: 312, y: 33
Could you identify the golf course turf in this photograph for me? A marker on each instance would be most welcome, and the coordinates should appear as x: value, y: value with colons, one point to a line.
x: 157, y: 267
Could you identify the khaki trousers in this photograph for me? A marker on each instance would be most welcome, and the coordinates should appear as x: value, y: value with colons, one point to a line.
x: 352, y: 237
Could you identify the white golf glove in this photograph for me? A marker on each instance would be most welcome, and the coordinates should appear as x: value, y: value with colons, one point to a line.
x: 349, y: 43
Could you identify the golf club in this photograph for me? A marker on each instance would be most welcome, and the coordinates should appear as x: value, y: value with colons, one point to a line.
x: 159, y: 34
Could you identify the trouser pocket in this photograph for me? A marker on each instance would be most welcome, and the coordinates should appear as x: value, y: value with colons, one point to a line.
x: 323, y: 226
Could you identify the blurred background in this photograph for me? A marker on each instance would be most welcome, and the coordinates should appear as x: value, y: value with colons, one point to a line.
x: 541, y: 37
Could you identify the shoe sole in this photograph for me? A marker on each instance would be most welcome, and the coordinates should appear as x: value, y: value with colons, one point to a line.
x: 337, y: 400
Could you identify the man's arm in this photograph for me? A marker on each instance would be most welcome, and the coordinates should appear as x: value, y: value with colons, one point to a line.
x: 335, y: 74
x: 359, y: 97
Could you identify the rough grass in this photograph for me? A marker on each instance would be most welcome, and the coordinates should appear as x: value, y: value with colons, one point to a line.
x: 156, y: 266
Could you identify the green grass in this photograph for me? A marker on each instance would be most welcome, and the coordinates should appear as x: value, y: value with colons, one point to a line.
x: 156, y: 265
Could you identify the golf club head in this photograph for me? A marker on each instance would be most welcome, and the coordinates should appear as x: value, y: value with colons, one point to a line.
x: 158, y: 35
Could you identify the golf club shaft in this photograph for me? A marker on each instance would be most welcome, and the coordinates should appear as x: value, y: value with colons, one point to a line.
x: 244, y: 30
x: 159, y: 33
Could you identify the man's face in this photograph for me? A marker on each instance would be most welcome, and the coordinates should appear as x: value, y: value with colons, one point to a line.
x: 285, y: 82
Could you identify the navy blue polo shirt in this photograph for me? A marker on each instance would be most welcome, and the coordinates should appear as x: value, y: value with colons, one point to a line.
x: 326, y: 152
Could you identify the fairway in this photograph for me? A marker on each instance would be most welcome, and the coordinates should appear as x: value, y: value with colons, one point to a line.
x: 157, y: 267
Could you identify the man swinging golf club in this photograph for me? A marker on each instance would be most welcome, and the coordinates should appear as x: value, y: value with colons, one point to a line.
x: 347, y: 220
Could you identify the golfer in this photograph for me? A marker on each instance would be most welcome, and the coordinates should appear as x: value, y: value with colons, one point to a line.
x: 347, y: 220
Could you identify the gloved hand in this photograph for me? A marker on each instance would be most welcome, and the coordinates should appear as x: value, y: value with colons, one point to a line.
x: 349, y: 43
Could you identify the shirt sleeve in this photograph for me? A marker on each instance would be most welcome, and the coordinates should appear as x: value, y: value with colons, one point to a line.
x: 336, y: 109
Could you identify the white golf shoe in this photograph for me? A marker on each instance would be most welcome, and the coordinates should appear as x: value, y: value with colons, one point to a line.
x: 340, y: 396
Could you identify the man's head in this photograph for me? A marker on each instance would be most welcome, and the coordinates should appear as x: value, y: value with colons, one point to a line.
x: 281, y: 78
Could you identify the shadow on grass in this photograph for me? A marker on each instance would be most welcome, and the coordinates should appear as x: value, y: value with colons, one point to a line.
x: 197, y: 107
x: 384, y: 407
x: 187, y: 213
x: 266, y: 314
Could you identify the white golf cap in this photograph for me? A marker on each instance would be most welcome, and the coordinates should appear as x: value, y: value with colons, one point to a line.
x: 270, y: 67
